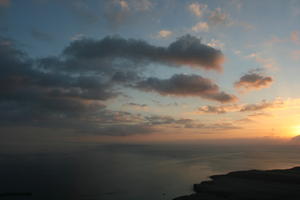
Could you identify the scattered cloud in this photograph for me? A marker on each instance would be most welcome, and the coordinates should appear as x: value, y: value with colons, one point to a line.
x: 137, y: 106
x: 216, y: 44
x: 263, y: 105
x: 253, y: 81
x: 164, y: 34
x: 259, y: 114
x: 201, y: 27
x: 117, y: 12
x: 219, y: 109
x: 197, y: 9
x: 142, y: 5
x: 295, y: 37
x: 186, y: 85
x: 78, y: 36
x: 123, y: 4
x: 189, y: 123
x: 218, y: 17
x: 296, y: 54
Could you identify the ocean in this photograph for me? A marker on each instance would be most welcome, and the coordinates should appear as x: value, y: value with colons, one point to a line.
x: 131, y: 171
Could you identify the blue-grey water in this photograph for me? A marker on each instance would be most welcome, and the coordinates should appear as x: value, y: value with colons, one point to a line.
x: 131, y: 172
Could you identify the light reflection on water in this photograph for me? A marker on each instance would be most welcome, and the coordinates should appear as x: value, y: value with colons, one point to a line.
x: 132, y: 172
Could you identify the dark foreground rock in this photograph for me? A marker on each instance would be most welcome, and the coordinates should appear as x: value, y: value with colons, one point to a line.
x: 249, y: 185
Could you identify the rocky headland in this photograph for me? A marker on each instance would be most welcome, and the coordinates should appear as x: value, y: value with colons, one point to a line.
x: 249, y: 185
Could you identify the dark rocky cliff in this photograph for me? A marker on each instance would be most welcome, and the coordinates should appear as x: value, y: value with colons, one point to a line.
x: 249, y: 185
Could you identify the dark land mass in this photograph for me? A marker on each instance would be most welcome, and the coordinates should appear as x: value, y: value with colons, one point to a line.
x: 249, y: 185
x: 7, y: 194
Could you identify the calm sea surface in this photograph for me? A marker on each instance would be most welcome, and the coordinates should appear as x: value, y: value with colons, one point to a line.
x: 131, y: 172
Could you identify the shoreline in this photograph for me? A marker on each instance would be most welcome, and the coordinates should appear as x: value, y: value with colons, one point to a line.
x: 251, y: 184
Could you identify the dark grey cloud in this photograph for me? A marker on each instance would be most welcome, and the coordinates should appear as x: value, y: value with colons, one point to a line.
x: 70, y: 91
x: 186, y: 50
x: 186, y: 85
x: 31, y: 96
x: 254, y: 81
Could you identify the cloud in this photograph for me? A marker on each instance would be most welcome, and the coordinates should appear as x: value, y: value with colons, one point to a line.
x: 295, y: 54
x: 186, y: 50
x: 32, y: 96
x: 197, y: 9
x: 295, y: 37
x: 165, y: 120
x: 78, y: 36
x: 123, y: 4
x: 254, y: 81
x: 201, y: 27
x: 268, y: 63
x: 219, y: 109
x: 124, y: 130
x: 118, y: 12
x: 164, y: 34
x: 188, y: 123
x: 70, y: 91
x: 186, y: 85
x: 214, y: 126
x: 261, y: 106
x: 142, y: 5
x: 218, y: 17
x: 216, y: 44
x: 137, y: 106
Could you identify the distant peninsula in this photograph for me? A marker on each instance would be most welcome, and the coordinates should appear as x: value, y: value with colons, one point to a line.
x: 249, y: 185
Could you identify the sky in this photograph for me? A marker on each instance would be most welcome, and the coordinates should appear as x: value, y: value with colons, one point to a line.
x: 148, y: 70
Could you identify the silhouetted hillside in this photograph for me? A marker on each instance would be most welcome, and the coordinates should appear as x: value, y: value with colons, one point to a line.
x: 249, y: 185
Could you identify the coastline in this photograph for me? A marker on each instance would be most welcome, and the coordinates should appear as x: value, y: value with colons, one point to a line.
x: 251, y: 184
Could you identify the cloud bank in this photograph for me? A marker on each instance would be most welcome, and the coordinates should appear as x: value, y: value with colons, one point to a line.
x: 70, y: 91
x: 186, y: 50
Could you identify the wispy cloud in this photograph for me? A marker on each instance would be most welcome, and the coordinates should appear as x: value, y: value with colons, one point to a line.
x: 263, y: 105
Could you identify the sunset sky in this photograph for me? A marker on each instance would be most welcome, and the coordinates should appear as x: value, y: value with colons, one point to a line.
x: 149, y: 70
